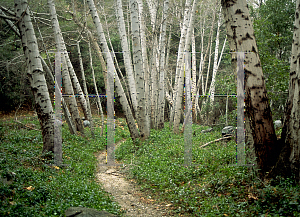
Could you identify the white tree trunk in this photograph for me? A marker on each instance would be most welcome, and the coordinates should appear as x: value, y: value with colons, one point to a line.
x: 145, y: 64
x: 123, y: 100
x: 126, y: 53
x: 36, y: 75
x: 138, y: 68
x: 60, y: 45
x: 215, y: 67
x: 161, y: 98
x: 62, y: 48
x: 66, y: 111
x: 260, y: 133
x: 85, y: 90
x: 290, y: 154
x: 96, y: 91
x: 183, y: 46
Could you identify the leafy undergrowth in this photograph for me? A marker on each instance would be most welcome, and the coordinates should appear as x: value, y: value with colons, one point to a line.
x: 213, y: 185
x: 36, y: 189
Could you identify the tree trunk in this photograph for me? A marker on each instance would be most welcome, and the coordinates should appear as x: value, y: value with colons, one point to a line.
x: 260, y: 133
x: 123, y: 100
x: 177, y: 97
x: 145, y: 63
x: 96, y: 90
x: 161, y: 98
x: 215, y: 67
x: 60, y: 46
x: 36, y: 75
x: 138, y: 68
x: 126, y: 53
x: 66, y: 111
x: 85, y: 90
x: 288, y: 161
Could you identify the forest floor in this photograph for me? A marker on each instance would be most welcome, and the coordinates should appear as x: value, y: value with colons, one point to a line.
x: 126, y: 193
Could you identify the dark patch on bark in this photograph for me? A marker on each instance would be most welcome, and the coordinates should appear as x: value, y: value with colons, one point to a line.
x: 248, y: 73
x: 238, y: 11
x: 253, y: 49
x: 247, y: 37
x: 297, y: 15
x: 257, y: 64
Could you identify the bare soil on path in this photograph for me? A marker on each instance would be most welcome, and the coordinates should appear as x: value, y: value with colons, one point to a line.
x: 134, y: 202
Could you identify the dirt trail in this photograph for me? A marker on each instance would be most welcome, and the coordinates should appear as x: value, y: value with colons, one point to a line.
x: 126, y: 193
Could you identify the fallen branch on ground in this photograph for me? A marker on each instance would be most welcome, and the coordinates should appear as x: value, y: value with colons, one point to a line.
x: 31, y: 128
x: 217, y: 140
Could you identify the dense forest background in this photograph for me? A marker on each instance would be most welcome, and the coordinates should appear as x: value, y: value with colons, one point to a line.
x: 273, y: 25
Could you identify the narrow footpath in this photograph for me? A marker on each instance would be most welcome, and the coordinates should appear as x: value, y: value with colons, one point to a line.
x: 126, y: 193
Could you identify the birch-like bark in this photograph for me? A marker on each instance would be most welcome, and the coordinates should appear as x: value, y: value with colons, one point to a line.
x: 85, y: 90
x: 177, y: 106
x: 95, y: 46
x: 153, y: 4
x: 126, y: 53
x: 260, y: 133
x: 36, y: 76
x: 96, y: 90
x: 194, y: 70
x: 66, y: 111
x: 145, y: 63
x: 201, y: 79
x: 161, y: 97
x: 183, y: 46
x: 138, y: 68
x: 288, y: 162
x: 215, y: 67
x: 123, y: 100
x: 61, y: 47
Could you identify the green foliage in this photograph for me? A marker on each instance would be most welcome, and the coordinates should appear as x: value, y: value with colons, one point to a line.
x: 38, y: 189
x: 273, y: 26
x: 211, y: 186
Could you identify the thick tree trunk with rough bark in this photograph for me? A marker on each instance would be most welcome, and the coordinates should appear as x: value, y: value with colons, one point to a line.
x: 260, y: 133
x: 36, y: 76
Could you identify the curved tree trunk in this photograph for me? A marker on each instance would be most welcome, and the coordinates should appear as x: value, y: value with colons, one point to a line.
x: 260, y: 133
x: 36, y: 76
x: 60, y: 46
x: 123, y: 100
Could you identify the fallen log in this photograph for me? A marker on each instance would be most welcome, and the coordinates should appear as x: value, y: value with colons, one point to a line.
x: 217, y: 140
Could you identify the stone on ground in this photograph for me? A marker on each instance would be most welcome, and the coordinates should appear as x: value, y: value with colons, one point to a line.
x: 86, y: 212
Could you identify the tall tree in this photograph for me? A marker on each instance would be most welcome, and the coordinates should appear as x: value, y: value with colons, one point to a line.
x: 179, y: 79
x: 138, y: 69
x: 123, y: 100
x: 36, y: 76
x: 161, y: 96
x: 260, y: 133
x: 288, y: 162
x: 68, y: 86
